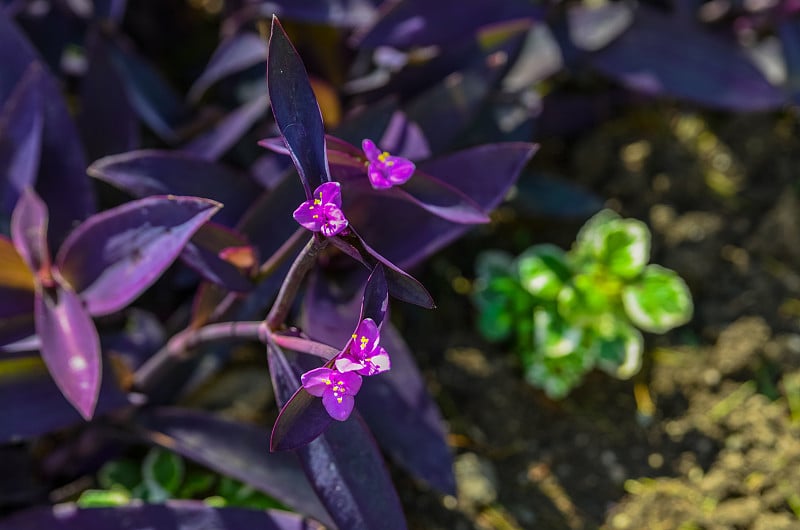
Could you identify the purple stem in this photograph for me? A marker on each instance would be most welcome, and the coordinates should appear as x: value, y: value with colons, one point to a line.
x: 302, y: 264
x: 178, y: 347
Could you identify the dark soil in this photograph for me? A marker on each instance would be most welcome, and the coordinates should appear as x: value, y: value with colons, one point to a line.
x: 706, y: 435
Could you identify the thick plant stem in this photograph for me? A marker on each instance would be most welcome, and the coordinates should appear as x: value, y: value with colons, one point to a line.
x: 302, y: 264
x: 178, y: 347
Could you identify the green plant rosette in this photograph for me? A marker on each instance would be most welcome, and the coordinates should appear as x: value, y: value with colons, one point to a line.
x: 622, y: 245
x: 543, y: 270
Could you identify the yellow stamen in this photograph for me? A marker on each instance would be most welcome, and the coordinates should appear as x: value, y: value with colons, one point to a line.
x: 383, y: 156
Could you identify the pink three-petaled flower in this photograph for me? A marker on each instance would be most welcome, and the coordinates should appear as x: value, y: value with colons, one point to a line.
x: 385, y: 170
x: 336, y: 386
x: 323, y: 212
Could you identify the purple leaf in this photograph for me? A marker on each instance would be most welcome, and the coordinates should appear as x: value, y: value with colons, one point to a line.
x: 236, y: 450
x: 375, y: 302
x: 337, y: 13
x: 61, y: 181
x: 29, y: 232
x: 110, y: 10
x: 417, y: 23
x: 345, y: 467
x: 404, y: 138
x: 156, y: 103
x: 107, y: 120
x: 21, y: 126
x: 789, y: 32
x: 303, y: 345
x: 173, y: 515
x: 414, y: 235
x: 213, y: 144
x: 205, y: 253
x: 153, y: 172
x: 302, y: 417
x: 296, y: 110
x: 233, y: 55
x: 115, y: 255
x: 402, y: 285
x: 69, y: 346
x: 706, y: 68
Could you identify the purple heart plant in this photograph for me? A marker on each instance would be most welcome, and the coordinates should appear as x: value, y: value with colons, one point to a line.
x: 302, y: 261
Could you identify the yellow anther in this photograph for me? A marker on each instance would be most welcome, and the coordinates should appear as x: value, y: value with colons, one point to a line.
x: 383, y: 156
x: 317, y: 202
x: 364, y: 341
x: 338, y: 400
x: 354, y: 335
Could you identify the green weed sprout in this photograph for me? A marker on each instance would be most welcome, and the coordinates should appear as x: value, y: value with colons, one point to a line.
x: 568, y: 312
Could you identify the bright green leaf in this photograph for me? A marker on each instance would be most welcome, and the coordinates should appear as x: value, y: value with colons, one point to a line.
x: 658, y: 301
x: 103, y: 498
x: 621, y: 354
x: 163, y: 473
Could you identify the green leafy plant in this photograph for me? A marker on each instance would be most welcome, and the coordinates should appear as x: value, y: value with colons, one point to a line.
x: 571, y: 311
x: 163, y: 475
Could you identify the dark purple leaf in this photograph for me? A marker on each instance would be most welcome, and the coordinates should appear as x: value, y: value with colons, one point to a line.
x: 152, y: 172
x: 29, y: 231
x: 39, y: 406
x: 375, y: 302
x: 21, y: 126
x: 789, y: 33
x: 233, y: 55
x: 346, y: 468
x: 61, y: 181
x: 157, y: 103
x: 115, y: 255
x: 110, y: 10
x: 213, y: 144
x: 302, y: 417
x: 440, y: 199
x: 706, y: 68
x: 296, y: 110
x: 107, y: 120
x: 547, y: 196
x: 337, y: 13
x: 404, y: 138
x: 303, y: 345
x: 412, y: 235
x: 69, y: 346
x: 398, y: 408
x: 401, y: 284
x: 417, y: 23
x: 205, y: 253
x: 236, y: 450
x: 343, y: 464
x: 173, y: 515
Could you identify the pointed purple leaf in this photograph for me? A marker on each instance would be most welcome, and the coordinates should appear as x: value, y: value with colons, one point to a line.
x: 302, y: 417
x: 61, y: 181
x: 154, y: 100
x: 70, y: 346
x: 21, y: 126
x: 189, y: 515
x: 303, y: 345
x: 296, y: 110
x: 215, y: 143
x: 236, y: 450
x: 404, y: 138
x: 706, y: 68
x: 402, y: 285
x: 346, y: 468
x: 423, y: 23
x: 414, y: 235
x: 153, y: 172
x: 375, y: 301
x: 233, y: 55
x: 107, y: 121
x: 29, y: 231
x: 115, y: 255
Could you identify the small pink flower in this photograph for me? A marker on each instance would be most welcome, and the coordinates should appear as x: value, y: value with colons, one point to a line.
x: 335, y: 388
x: 385, y: 170
x: 323, y: 213
x: 364, y: 355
